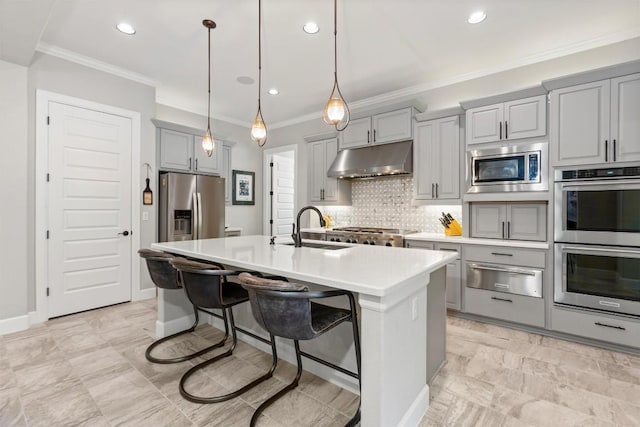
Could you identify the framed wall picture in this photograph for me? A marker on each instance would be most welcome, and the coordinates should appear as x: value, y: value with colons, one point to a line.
x: 244, y: 188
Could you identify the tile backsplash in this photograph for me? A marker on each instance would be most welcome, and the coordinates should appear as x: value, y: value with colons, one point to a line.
x: 386, y: 202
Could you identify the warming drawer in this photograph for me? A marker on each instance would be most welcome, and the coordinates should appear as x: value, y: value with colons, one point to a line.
x: 502, y: 278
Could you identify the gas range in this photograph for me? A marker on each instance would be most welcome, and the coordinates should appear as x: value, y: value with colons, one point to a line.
x: 369, y: 235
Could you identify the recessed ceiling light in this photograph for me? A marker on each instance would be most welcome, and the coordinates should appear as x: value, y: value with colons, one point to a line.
x: 128, y: 29
x: 311, y: 27
x: 245, y: 80
x: 273, y: 91
x: 476, y: 17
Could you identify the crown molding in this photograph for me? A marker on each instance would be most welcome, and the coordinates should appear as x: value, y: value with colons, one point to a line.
x: 87, y: 61
x: 192, y: 108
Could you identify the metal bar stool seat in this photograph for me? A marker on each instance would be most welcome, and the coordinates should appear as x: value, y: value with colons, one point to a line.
x: 207, y: 287
x: 164, y: 276
x: 285, y: 310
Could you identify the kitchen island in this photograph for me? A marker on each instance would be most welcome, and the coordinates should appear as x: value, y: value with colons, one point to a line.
x: 391, y: 284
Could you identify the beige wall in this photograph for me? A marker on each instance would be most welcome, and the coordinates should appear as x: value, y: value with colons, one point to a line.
x: 14, y: 262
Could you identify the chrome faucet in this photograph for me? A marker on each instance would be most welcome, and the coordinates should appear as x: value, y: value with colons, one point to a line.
x: 295, y: 234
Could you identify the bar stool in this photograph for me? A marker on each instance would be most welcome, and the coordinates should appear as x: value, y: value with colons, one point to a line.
x: 164, y: 276
x: 207, y: 287
x: 285, y: 310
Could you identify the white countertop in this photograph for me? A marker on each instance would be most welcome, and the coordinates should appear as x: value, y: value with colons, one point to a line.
x: 372, y: 270
x: 321, y: 230
x: 440, y: 237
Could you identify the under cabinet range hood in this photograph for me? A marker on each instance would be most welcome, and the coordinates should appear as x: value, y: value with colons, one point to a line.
x: 373, y: 161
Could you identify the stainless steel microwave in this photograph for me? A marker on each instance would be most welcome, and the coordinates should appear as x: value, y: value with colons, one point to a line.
x: 518, y: 167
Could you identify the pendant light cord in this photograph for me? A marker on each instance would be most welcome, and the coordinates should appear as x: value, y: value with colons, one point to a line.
x: 209, y: 87
x: 259, y: 51
x: 335, y: 41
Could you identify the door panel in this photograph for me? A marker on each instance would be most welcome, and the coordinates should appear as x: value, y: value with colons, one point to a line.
x: 283, y: 189
x: 211, y: 206
x: 488, y: 220
x: 525, y: 118
x: 625, y: 125
x: 330, y: 184
x: 448, y: 159
x: 483, y: 124
x: 89, y: 262
x: 318, y: 172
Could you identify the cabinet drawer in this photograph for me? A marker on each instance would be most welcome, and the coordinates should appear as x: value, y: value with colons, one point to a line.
x: 449, y: 247
x: 600, y: 327
x: 418, y: 244
x: 506, y: 255
x: 514, y: 308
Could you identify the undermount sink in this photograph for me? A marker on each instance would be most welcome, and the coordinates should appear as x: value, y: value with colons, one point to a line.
x: 319, y: 245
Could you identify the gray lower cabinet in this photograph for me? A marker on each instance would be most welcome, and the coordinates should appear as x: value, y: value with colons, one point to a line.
x: 512, y: 221
x: 510, y: 307
x: 603, y: 327
x: 505, y: 283
x: 454, y: 270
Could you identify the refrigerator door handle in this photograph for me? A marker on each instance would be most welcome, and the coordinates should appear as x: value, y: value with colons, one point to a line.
x: 199, y: 213
x: 196, y: 210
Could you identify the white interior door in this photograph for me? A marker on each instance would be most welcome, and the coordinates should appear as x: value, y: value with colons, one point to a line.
x: 283, y: 195
x: 89, y: 255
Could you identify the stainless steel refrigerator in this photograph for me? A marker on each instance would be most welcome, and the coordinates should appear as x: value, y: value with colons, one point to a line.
x: 190, y: 207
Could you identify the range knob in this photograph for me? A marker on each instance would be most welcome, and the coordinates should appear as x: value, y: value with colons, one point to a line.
x: 388, y: 244
x: 337, y: 239
x: 372, y: 242
x: 350, y: 241
x: 332, y: 239
x: 366, y: 242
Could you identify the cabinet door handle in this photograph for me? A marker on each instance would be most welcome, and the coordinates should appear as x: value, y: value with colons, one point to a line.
x: 501, y: 299
x: 508, y: 229
x: 189, y: 162
x: 374, y: 135
x: 368, y: 134
x: 610, y: 326
x: 506, y: 130
x: 433, y: 191
x: 606, y: 150
x: 503, y: 229
x: 614, y: 150
x: 196, y: 163
x: 500, y: 130
x: 500, y: 254
x: 436, y: 190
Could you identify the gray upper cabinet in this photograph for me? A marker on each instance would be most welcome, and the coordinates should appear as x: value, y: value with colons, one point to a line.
x: 436, y: 153
x: 176, y: 150
x: 513, y: 221
x: 596, y: 122
x: 181, y: 151
x: 357, y: 134
x: 323, y: 189
x: 522, y: 118
x: 392, y: 126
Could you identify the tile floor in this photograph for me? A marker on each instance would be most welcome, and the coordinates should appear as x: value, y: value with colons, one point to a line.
x: 89, y: 369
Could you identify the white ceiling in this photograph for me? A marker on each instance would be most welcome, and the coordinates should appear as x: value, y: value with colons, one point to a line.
x: 383, y: 46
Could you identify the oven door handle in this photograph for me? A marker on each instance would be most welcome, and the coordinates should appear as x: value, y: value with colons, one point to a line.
x: 583, y: 249
x: 492, y: 267
x: 602, y: 184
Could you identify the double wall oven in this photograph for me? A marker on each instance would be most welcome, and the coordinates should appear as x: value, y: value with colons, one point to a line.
x: 597, y: 238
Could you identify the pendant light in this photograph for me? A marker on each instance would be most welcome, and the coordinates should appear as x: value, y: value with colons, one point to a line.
x: 259, y: 129
x: 336, y: 112
x: 208, y: 144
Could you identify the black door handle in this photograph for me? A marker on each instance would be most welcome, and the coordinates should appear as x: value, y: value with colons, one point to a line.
x: 124, y: 233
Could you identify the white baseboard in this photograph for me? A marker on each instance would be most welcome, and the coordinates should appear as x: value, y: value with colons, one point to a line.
x: 143, y: 294
x: 164, y: 329
x: 36, y: 317
x: 417, y: 409
x: 286, y: 352
x: 14, y: 324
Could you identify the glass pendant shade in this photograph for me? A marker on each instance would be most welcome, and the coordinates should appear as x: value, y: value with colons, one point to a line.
x: 259, y: 130
x: 208, y: 144
x: 335, y: 110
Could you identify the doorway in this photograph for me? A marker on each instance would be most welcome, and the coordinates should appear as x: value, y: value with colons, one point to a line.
x: 280, y: 190
x: 85, y: 205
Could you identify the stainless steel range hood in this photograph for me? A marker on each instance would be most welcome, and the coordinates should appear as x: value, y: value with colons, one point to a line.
x: 373, y: 161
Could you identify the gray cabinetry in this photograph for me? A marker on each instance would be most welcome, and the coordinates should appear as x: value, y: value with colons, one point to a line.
x: 454, y: 270
x: 515, y: 221
x: 522, y: 118
x: 436, y: 152
x: 505, y: 283
x: 603, y: 327
x: 176, y: 150
x: 323, y: 189
x: 380, y: 128
x: 596, y: 122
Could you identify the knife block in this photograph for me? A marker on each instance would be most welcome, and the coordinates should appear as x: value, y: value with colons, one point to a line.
x: 455, y: 229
